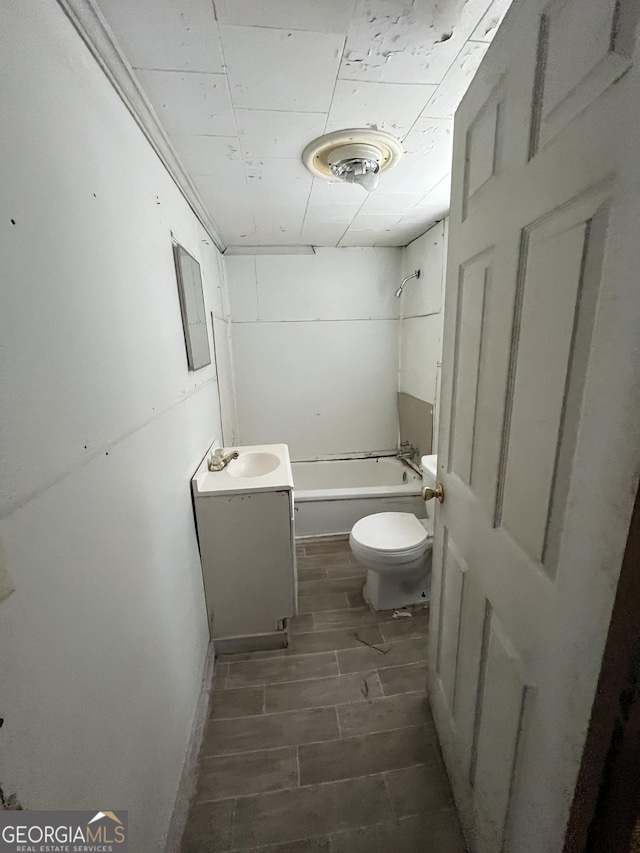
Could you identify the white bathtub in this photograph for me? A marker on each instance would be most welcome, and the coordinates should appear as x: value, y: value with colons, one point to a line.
x: 329, y: 497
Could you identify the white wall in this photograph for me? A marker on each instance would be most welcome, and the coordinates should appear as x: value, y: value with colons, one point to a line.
x: 103, y: 641
x: 422, y: 304
x: 315, y: 346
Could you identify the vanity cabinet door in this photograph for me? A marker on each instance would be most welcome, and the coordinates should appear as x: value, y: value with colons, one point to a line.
x: 247, y: 561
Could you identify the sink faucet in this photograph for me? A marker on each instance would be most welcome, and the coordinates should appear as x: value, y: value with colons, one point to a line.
x: 219, y: 460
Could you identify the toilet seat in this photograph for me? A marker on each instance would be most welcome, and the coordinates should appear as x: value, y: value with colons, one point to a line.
x: 395, y: 537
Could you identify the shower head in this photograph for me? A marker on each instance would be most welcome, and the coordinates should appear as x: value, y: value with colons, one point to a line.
x: 416, y: 274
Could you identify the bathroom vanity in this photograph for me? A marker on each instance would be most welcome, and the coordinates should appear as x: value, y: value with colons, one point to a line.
x: 244, y: 515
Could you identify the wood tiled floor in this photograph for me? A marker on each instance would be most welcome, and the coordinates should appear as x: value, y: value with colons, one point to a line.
x: 327, y: 746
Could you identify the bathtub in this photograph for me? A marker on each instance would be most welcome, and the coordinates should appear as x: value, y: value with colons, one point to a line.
x: 329, y: 497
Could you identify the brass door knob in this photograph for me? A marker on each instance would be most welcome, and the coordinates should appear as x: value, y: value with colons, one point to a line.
x: 437, y: 493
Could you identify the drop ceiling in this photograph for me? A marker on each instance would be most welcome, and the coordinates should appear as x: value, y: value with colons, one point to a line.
x: 241, y: 86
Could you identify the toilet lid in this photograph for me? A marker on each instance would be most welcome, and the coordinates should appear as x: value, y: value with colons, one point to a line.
x: 390, y: 532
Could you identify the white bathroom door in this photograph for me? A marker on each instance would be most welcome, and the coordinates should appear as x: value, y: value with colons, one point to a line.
x: 539, y: 444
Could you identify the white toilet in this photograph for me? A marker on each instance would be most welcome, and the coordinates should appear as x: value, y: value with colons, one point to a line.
x: 396, y: 549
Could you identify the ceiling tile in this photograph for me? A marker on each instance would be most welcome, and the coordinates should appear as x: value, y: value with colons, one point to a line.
x: 424, y: 216
x: 427, y: 159
x: 166, y: 35
x: 191, y: 104
x: 279, y: 219
x: 230, y: 206
x: 407, y: 233
x: 371, y: 237
x: 331, y: 214
x: 279, y: 192
x: 273, y: 230
x: 390, y: 238
x: 440, y: 195
x: 448, y: 95
x: 322, y: 234
x: 383, y: 42
x: 329, y: 16
x: 336, y: 192
x: 386, y: 106
x: 488, y: 26
x: 274, y: 133
x: 278, y: 183
x: 429, y: 135
x: 208, y: 155
x: 242, y: 95
x: 388, y: 203
x: 362, y: 222
x: 302, y: 68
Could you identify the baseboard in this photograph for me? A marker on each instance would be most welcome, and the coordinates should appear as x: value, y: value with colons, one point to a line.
x: 187, y: 784
x: 321, y: 537
x: 251, y: 643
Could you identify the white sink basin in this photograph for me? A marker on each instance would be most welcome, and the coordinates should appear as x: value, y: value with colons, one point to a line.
x: 258, y: 468
x: 253, y: 465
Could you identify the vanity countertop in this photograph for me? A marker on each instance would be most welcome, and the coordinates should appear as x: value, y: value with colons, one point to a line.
x: 244, y: 475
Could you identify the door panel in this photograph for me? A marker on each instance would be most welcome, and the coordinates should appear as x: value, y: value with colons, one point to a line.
x: 548, y: 302
x: 475, y: 619
x: 483, y: 147
x: 502, y: 706
x: 452, y: 589
x: 470, y: 332
x: 581, y: 52
x: 538, y: 285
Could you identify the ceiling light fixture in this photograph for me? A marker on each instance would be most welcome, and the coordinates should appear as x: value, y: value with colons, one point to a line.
x: 356, y: 156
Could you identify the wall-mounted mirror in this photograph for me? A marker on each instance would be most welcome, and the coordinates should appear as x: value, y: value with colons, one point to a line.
x: 194, y: 320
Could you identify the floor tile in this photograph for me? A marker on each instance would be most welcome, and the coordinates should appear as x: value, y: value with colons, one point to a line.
x: 209, y: 828
x: 379, y: 715
x: 340, y: 546
x: 243, y: 702
x: 227, y: 776
x: 347, y: 570
x: 327, y: 746
x: 359, y: 756
x: 354, y: 660
x: 356, y: 599
x: 419, y: 790
x: 328, y: 586
x: 405, y: 629
x: 300, y: 624
x: 311, y: 574
x: 269, y: 731
x: 315, y: 603
x: 325, y: 561
x: 303, y: 813
x: 340, y: 638
x: 422, y: 834
x: 219, y: 675
x: 259, y: 655
x: 347, y: 618
x: 306, y: 845
x: 403, y: 679
x: 294, y: 668
x: 321, y: 692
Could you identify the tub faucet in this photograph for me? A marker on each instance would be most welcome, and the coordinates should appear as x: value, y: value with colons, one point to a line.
x: 408, y: 451
x: 219, y: 460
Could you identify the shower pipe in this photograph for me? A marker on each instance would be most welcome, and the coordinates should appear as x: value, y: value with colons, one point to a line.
x: 415, y: 274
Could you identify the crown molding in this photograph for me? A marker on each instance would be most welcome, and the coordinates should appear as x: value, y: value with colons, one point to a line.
x: 98, y: 37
